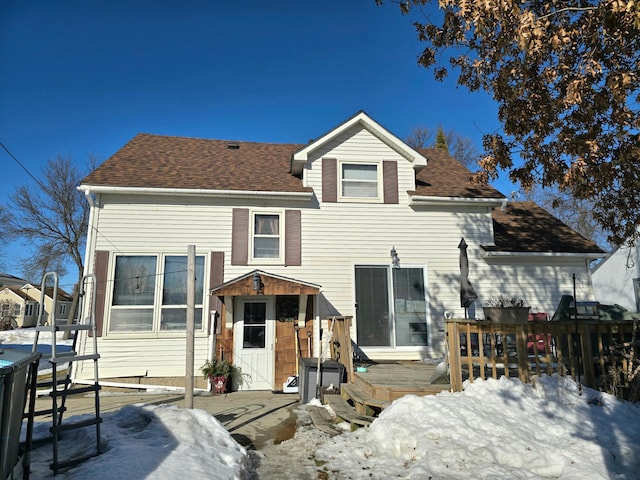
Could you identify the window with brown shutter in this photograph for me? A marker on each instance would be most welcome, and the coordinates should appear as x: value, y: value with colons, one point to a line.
x: 266, y: 237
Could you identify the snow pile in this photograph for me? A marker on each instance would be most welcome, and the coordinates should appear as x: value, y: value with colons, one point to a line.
x: 495, y: 429
x: 147, y: 442
x: 498, y: 429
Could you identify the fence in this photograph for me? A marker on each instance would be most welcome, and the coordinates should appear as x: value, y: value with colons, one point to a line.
x: 587, y: 350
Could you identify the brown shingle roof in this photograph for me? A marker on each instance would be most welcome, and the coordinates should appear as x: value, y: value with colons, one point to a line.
x: 526, y: 227
x: 155, y: 161
x: 444, y: 176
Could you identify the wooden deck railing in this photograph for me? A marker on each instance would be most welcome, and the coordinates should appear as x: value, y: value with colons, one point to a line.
x: 480, y: 349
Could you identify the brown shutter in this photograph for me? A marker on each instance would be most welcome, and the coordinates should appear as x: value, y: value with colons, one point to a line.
x: 216, y: 277
x: 293, y: 238
x: 100, y: 268
x: 390, y: 181
x: 240, y: 237
x: 329, y: 180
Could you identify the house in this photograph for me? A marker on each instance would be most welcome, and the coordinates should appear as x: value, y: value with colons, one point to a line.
x: 354, y: 223
x: 21, y: 303
x: 616, y: 280
x: 7, y: 279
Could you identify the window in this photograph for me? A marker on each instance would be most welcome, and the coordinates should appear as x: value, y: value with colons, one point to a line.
x: 16, y: 310
x: 133, y: 293
x: 391, y: 306
x: 63, y: 309
x: 28, y: 310
x: 359, y: 180
x: 146, y: 299
x: 266, y: 236
x: 174, y: 293
x: 255, y: 314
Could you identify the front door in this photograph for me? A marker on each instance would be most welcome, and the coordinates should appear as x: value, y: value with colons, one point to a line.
x: 254, y: 332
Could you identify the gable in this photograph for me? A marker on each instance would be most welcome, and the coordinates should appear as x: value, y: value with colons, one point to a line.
x: 360, y: 121
x: 13, y: 293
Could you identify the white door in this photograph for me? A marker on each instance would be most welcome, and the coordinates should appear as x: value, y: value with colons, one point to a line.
x: 253, y: 337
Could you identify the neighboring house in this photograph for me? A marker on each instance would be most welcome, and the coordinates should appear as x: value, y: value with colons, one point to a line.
x: 355, y: 223
x: 6, y: 279
x: 616, y: 280
x: 12, y: 301
x: 23, y: 303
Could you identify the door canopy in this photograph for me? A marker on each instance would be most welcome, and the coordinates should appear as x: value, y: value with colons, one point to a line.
x: 258, y: 282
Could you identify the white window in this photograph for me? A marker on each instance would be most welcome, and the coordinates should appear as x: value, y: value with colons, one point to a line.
x: 174, y: 293
x: 150, y: 293
x: 63, y: 309
x: 28, y: 310
x: 267, y: 236
x: 16, y: 310
x: 391, y: 307
x: 359, y: 181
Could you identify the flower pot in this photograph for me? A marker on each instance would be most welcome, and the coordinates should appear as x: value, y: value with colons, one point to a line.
x: 219, y: 383
x: 506, y: 314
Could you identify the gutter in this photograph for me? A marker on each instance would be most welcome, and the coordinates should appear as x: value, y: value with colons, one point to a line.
x: 428, y: 200
x: 592, y: 256
x: 196, y: 192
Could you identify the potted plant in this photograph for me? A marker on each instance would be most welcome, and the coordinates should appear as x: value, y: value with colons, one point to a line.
x: 503, y: 309
x: 220, y: 373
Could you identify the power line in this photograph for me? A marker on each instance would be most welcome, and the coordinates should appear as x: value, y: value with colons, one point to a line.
x: 22, y: 166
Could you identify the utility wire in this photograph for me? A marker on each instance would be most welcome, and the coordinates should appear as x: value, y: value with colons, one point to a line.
x: 22, y: 166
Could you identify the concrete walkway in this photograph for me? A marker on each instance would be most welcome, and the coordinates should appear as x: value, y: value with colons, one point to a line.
x: 254, y: 418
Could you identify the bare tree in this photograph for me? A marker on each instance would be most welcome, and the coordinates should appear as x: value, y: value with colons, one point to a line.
x: 463, y: 150
x: 8, y: 314
x: 53, y: 219
x: 460, y: 147
x: 420, y: 137
x: 575, y: 212
x: 4, y: 219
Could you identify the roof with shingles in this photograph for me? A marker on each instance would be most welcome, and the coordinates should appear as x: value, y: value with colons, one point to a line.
x: 62, y: 295
x: 527, y: 227
x: 444, y: 176
x: 156, y: 161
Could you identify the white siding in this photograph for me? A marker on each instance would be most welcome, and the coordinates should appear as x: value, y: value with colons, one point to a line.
x: 335, y: 238
x: 613, y: 279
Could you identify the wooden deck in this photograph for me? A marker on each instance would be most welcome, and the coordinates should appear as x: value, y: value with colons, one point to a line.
x: 372, y: 391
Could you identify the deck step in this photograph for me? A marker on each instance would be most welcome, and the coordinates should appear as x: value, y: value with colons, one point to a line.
x: 347, y: 413
x: 322, y: 420
x: 363, y: 403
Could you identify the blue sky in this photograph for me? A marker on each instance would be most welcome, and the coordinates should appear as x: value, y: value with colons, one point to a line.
x: 83, y: 77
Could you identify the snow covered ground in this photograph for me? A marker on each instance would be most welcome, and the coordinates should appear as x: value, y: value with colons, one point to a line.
x: 498, y: 429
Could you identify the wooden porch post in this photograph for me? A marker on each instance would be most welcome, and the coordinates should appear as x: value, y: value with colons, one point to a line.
x: 453, y: 339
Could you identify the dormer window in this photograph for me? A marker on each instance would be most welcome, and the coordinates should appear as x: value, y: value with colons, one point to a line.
x: 359, y: 180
